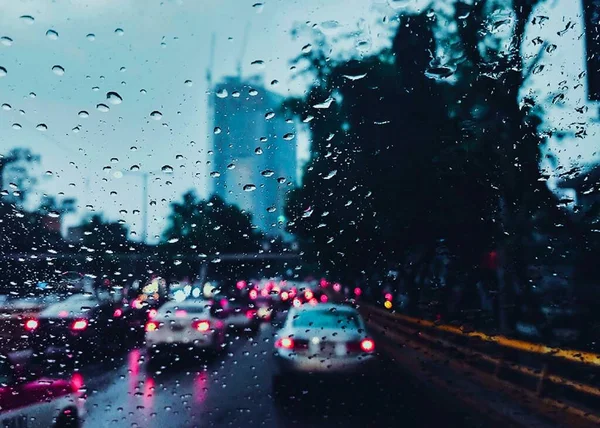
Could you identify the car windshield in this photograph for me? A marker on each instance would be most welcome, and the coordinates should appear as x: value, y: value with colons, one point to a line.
x: 379, y: 212
x: 325, y: 319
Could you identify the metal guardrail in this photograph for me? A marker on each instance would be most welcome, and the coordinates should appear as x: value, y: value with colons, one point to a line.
x: 551, y: 369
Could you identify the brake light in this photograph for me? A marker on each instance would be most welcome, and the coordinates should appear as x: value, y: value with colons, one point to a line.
x: 137, y: 304
x: 77, y: 382
x: 240, y: 284
x: 201, y: 326
x: 308, y: 294
x: 264, y: 292
x: 285, y: 343
x: 250, y: 314
x: 313, y: 301
x: 367, y: 345
x: 253, y: 294
x: 324, y: 298
x: 337, y: 287
x: 284, y: 295
x: 357, y: 291
x: 180, y: 313
x: 79, y: 325
x: 31, y: 325
x: 118, y: 312
x: 152, y: 313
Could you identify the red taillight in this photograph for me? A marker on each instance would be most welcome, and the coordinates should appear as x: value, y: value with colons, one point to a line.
x: 367, y: 345
x: 77, y: 382
x: 284, y: 295
x: 152, y: 313
x: 31, y: 325
x: 285, y: 343
x: 250, y: 313
x: 79, y: 325
x: 313, y: 301
x: 137, y: 304
x: 253, y: 294
x: 323, y: 298
x: 357, y: 291
x: 264, y: 292
x: 118, y: 312
x: 201, y: 326
x: 151, y: 326
x: 180, y: 313
x: 308, y: 294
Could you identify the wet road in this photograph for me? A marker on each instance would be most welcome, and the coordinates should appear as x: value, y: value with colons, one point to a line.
x: 235, y: 390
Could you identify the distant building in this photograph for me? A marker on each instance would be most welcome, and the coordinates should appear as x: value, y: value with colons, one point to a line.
x: 253, y: 165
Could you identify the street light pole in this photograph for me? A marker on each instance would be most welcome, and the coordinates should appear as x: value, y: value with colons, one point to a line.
x: 145, y: 203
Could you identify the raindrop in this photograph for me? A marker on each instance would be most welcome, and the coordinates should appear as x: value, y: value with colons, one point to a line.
x: 274, y: 82
x: 91, y: 37
x: 83, y: 114
x: 558, y: 98
x: 16, y: 126
x: 289, y: 136
x: 307, y: 48
x: 329, y: 27
x: 6, y: 106
x: 222, y: 93
x: 253, y: 92
x: 156, y: 115
x: 258, y: 151
x: 281, y: 180
x: 53, y: 214
x: 76, y: 129
x: 119, y: 32
x: 330, y: 175
x: 122, y: 69
x: 551, y: 48
x: 324, y: 104
x: 259, y: 63
x: 235, y: 94
x: 95, y: 88
x: 355, y: 76
x: 267, y: 173
x: 114, y: 98
x: 134, y: 168
x: 28, y: 19
x: 263, y: 139
x: 249, y: 188
x: 259, y: 7
x: 52, y: 34
x: 41, y: 127
x: 3, y: 71
x: 32, y: 95
x: 114, y: 160
x: 179, y: 156
x: 308, y: 118
x: 188, y: 83
x: 271, y: 209
x: 440, y: 72
x: 231, y: 166
x: 269, y: 115
x: 102, y: 107
x: 167, y: 168
x: 538, y: 69
x: 215, y: 174
x: 133, y: 148
x: 6, y: 41
x: 217, y: 130
x: 58, y: 70
x: 142, y: 91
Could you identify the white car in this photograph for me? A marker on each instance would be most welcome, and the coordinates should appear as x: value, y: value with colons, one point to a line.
x: 323, y: 339
x: 190, y: 324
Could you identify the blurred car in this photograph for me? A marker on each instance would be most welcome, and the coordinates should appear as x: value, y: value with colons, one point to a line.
x: 30, y: 400
x: 142, y: 300
x: 80, y: 325
x: 195, y: 324
x: 322, y: 339
x: 242, y: 314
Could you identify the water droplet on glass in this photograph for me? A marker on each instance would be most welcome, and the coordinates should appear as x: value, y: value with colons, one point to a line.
x: 330, y: 27
x: 289, y: 136
x: 281, y: 180
x: 236, y: 94
x: 222, y: 93
x: 102, y: 107
x: 83, y: 114
x: 267, y: 173
x: 439, y: 72
x: 95, y: 88
x: 52, y: 34
x: 259, y: 7
x: 53, y: 214
x: 6, y: 106
x: 324, y: 104
x: 114, y: 98
x: 32, y: 95
x: 41, y: 127
x: 355, y: 76
x: 551, y: 48
x: 188, y: 83
x: 330, y: 175
x: 58, y: 70
x: 91, y: 37
x: 274, y: 82
x: 3, y: 71
x: 6, y: 41
x: 258, y: 63
x: 249, y: 188
x: 133, y: 148
x: 558, y: 98
x: 119, y: 32
x: 231, y: 166
x: 16, y: 126
x: 253, y: 92
x: 215, y: 174
x: 134, y: 168
x: 76, y: 129
x: 307, y: 48
x: 217, y: 130
x: 538, y: 69
x: 269, y: 115
x: 167, y: 168
x: 258, y: 151
x: 142, y: 91
x: 271, y: 209
x: 28, y: 19
x: 156, y: 115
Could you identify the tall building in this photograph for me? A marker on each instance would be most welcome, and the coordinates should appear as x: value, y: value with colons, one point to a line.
x: 254, y: 142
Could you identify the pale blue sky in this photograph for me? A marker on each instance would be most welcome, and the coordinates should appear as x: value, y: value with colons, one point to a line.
x: 162, y: 45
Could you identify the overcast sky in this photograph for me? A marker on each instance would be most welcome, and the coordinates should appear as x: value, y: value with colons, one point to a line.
x: 146, y: 50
